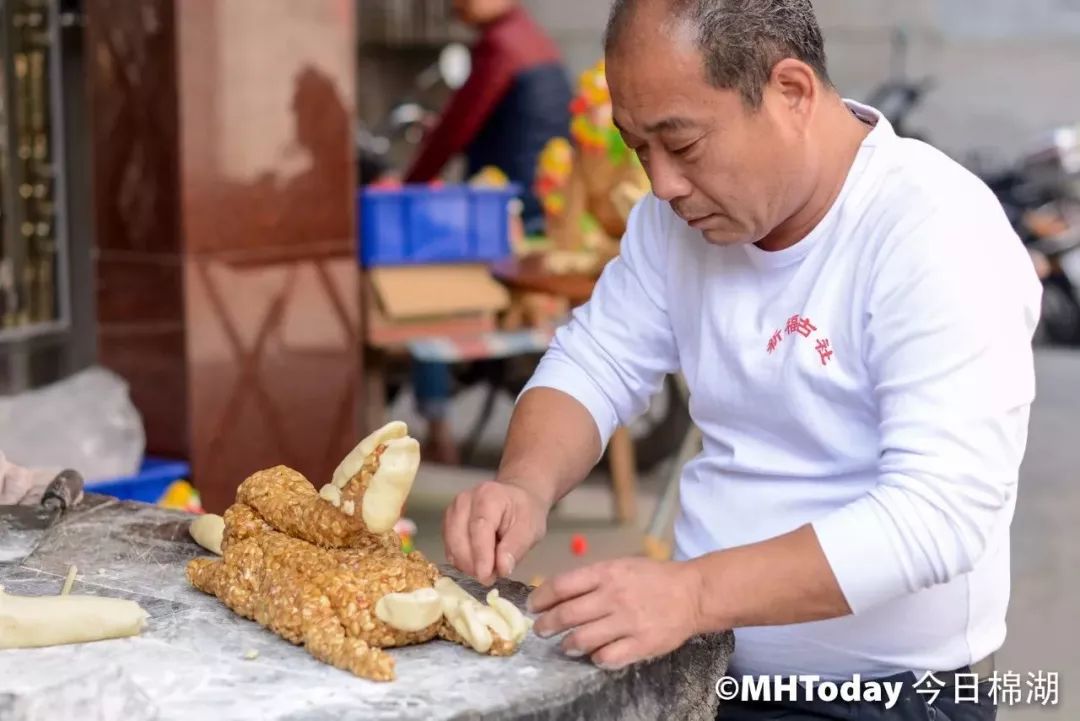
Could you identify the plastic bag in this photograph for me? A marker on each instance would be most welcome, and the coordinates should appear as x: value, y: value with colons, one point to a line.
x: 86, y: 422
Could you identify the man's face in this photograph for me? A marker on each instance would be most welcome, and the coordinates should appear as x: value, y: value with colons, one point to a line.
x: 729, y: 171
x: 478, y: 12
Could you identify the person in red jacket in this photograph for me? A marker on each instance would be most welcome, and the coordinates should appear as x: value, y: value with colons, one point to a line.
x: 516, y: 99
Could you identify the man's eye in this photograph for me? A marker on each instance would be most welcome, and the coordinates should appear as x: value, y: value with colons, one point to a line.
x: 684, y: 149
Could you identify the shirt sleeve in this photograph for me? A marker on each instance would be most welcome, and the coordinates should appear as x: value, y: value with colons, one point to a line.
x: 491, y: 76
x: 616, y: 350
x: 952, y: 307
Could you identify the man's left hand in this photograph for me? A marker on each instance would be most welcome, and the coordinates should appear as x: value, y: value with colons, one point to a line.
x: 620, y: 612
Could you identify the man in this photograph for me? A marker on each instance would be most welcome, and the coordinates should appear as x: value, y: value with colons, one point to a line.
x: 517, y: 98
x: 853, y: 316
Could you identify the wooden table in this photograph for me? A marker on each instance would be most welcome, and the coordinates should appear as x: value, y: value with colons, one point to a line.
x: 527, y: 274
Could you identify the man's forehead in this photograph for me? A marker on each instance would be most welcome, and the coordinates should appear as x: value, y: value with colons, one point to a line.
x: 650, y: 105
x: 656, y: 73
x: 667, y: 124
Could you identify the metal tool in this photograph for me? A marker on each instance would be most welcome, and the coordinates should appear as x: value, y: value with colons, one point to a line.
x: 23, y: 527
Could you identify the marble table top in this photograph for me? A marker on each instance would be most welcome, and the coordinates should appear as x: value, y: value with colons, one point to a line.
x: 191, y: 662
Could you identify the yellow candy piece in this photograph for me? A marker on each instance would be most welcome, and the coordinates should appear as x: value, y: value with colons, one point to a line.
x: 178, y: 496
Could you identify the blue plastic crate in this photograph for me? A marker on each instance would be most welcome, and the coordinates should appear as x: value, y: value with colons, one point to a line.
x: 418, y: 224
x: 149, y: 485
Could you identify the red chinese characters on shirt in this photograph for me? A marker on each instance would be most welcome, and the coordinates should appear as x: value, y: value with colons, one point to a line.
x: 798, y: 325
x: 824, y: 351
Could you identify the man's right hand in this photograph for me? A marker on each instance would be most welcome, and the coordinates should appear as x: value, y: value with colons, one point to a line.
x: 489, y: 528
x: 553, y: 441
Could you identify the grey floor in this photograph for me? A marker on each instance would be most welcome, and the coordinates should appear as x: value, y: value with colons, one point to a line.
x: 1043, y: 635
x: 1046, y: 532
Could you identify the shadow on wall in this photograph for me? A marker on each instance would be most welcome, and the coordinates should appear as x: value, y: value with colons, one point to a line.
x: 282, y: 207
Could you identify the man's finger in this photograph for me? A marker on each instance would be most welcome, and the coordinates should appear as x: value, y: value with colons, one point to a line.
x: 483, y: 521
x: 573, y: 613
x: 504, y: 561
x: 456, y: 535
x: 591, y: 637
x: 514, y: 542
x: 564, y: 587
x: 619, y: 654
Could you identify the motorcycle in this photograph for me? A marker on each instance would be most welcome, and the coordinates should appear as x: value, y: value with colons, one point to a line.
x: 403, y: 129
x: 1041, y: 197
x: 1040, y: 194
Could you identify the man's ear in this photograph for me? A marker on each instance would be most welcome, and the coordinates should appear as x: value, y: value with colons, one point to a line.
x: 797, y: 85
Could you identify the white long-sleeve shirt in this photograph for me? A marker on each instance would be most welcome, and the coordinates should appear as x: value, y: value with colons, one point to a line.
x: 873, y: 380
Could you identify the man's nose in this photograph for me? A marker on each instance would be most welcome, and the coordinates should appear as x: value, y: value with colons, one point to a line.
x: 668, y: 184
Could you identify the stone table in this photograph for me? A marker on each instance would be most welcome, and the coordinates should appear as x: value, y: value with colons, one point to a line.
x: 189, y: 663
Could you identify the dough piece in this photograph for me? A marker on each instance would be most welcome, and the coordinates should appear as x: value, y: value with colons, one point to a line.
x: 376, y: 477
x: 467, y: 624
x: 312, y: 567
x: 207, y: 530
x: 514, y: 618
x: 69, y: 581
x: 37, y: 621
x: 413, y: 611
x: 451, y: 594
x: 353, y: 463
x: 331, y: 494
x: 386, y: 491
x: 465, y: 620
x: 497, y: 628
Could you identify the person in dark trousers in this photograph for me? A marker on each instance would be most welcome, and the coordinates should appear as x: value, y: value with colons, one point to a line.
x: 516, y: 99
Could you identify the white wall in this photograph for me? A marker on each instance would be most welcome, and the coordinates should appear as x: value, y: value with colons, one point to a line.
x: 1005, y: 70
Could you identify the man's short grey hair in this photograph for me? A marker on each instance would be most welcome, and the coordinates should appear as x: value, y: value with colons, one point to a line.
x: 741, y: 40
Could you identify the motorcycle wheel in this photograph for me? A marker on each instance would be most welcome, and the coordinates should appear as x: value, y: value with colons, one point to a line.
x: 1060, y: 312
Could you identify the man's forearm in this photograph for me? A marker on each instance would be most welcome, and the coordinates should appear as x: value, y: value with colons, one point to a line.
x: 781, y: 581
x: 551, y: 446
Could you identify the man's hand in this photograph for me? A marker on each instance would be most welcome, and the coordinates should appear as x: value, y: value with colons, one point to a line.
x: 488, y: 529
x: 620, y: 611
x: 22, y: 486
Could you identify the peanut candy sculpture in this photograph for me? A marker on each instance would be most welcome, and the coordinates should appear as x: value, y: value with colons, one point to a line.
x: 324, y: 569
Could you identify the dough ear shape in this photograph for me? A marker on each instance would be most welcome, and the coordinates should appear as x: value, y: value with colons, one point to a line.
x: 383, y: 494
x: 410, y: 612
x: 354, y: 461
x: 390, y: 485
